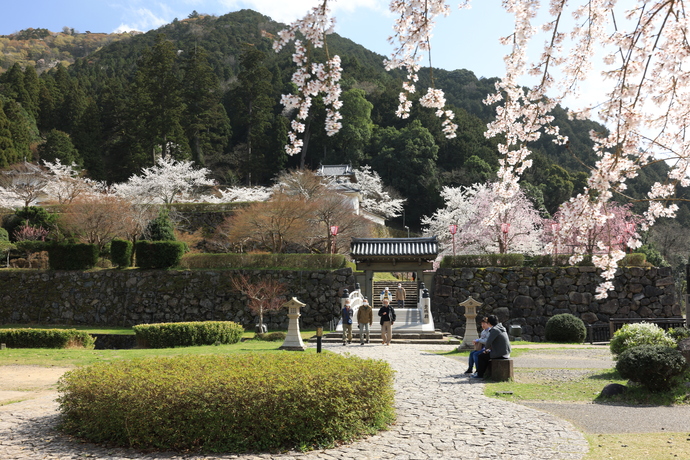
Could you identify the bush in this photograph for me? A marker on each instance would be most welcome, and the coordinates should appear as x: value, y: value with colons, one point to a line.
x: 159, y: 254
x: 286, y: 261
x: 271, y: 336
x: 236, y: 403
x: 169, y: 335
x: 161, y: 228
x: 636, y: 334
x: 483, y: 260
x: 679, y: 333
x: 121, y: 253
x: 78, y: 256
x: 656, y: 367
x: 46, y: 338
x: 565, y: 328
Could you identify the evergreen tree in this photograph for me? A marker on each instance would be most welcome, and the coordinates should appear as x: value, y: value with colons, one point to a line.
x: 206, y: 121
x: 58, y: 146
x: 8, y: 154
x: 161, y: 228
x: 157, y: 106
x: 252, y: 114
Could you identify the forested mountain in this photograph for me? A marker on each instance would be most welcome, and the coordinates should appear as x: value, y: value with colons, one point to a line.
x: 208, y: 88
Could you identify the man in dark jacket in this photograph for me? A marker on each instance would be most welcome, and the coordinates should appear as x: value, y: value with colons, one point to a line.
x: 387, y: 315
x: 497, y: 347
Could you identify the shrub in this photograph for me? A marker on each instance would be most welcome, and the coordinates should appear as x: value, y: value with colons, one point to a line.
x: 236, y: 403
x: 287, y: 261
x: 46, y: 338
x: 565, y: 328
x: 679, y: 333
x: 159, y: 254
x: 635, y: 334
x: 656, y: 367
x: 271, y: 336
x: 161, y: 228
x: 483, y: 260
x: 67, y: 256
x: 169, y: 335
x: 121, y: 253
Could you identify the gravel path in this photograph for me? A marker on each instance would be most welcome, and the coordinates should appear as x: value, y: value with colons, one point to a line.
x: 441, y: 414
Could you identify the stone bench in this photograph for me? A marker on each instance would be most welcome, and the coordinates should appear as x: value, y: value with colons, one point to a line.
x: 500, y: 370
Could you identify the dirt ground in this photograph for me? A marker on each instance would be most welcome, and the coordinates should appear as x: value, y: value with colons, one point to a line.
x: 19, y: 383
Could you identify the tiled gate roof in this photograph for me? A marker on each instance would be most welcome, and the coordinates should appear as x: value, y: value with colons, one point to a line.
x: 394, y: 248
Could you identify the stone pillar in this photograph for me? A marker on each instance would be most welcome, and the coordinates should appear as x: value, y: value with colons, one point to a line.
x: 293, y: 339
x: 470, y: 323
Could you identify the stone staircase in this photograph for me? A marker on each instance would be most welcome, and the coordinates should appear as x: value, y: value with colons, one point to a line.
x: 408, y: 327
x: 411, y: 298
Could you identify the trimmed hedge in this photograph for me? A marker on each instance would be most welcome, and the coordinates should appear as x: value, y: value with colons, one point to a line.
x: 170, y: 335
x: 46, y: 338
x: 273, y: 261
x: 159, y: 254
x: 66, y: 256
x: 656, y: 367
x: 236, y: 403
x: 121, y: 253
x: 483, y: 260
x: 565, y: 328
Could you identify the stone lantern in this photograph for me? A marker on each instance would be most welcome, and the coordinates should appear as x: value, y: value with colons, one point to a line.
x: 470, y: 322
x: 293, y: 339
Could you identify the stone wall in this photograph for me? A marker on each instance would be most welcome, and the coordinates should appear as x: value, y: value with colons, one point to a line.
x: 524, y: 296
x: 130, y: 297
x: 530, y: 296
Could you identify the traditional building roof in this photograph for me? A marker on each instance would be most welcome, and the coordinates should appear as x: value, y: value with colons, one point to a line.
x: 374, y: 249
x: 337, y: 171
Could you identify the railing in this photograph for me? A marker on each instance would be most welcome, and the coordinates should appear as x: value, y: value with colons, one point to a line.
x: 604, y: 332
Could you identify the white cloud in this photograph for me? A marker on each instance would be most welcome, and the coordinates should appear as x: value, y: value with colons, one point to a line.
x: 140, y: 19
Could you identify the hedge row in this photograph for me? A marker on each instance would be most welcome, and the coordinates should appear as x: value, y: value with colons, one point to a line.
x: 519, y: 260
x: 66, y: 256
x: 121, y: 253
x: 291, y: 261
x: 169, y: 335
x: 46, y: 338
x: 159, y: 254
x: 236, y: 403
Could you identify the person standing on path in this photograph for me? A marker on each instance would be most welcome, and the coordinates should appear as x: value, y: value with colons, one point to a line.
x: 347, y: 322
x: 497, y: 347
x: 387, y: 315
x: 400, y: 295
x: 365, y: 318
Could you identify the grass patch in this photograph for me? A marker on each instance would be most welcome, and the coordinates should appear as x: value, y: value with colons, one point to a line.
x: 638, y: 446
x: 573, y: 385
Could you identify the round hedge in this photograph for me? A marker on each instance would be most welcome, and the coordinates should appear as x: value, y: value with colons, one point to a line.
x: 654, y: 366
x: 565, y: 328
x: 636, y: 334
x: 236, y: 403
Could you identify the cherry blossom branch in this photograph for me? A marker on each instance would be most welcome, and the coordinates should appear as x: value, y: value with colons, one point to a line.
x: 311, y: 79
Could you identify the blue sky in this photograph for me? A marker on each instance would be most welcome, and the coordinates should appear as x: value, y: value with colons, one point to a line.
x: 467, y: 39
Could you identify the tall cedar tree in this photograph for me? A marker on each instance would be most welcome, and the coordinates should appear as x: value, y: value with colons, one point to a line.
x: 157, y: 106
x: 206, y: 122
x: 252, y: 116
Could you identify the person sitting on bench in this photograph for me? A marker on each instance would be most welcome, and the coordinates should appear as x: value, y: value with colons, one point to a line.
x: 497, y: 347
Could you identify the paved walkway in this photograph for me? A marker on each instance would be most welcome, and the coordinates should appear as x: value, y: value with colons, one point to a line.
x: 440, y: 415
